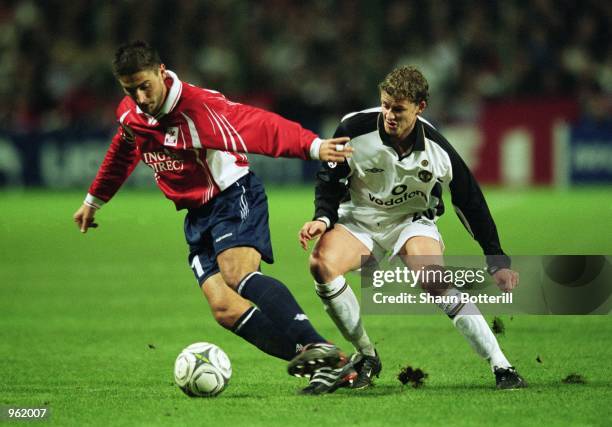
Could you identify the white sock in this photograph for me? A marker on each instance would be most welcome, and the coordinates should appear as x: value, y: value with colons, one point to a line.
x: 342, y: 306
x: 475, y: 329
x: 469, y: 321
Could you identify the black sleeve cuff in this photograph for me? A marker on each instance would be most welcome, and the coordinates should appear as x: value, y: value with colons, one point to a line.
x: 497, y: 262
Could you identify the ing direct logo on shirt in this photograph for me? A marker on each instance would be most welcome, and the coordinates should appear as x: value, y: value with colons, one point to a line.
x: 162, y: 161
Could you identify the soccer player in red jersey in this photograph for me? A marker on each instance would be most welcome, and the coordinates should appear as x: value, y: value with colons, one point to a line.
x: 195, y: 141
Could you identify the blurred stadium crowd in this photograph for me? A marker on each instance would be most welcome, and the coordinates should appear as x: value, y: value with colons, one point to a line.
x: 306, y: 60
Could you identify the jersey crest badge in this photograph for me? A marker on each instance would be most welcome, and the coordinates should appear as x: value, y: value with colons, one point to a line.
x: 171, y: 138
x: 425, y: 175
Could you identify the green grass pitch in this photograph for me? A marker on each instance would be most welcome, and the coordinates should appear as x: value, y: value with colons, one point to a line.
x: 90, y: 324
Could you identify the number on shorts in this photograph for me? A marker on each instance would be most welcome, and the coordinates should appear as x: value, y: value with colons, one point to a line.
x: 197, y: 266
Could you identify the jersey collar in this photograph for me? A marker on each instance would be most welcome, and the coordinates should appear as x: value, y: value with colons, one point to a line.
x: 419, y: 144
x: 420, y: 139
x: 174, y: 93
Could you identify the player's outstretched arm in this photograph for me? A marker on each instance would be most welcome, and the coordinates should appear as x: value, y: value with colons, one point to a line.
x: 84, y: 217
x: 506, y: 279
x: 335, y: 150
x: 230, y: 126
x: 309, y: 231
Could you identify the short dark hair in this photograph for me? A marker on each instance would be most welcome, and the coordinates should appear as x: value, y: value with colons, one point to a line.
x: 406, y: 83
x: 133, y: 57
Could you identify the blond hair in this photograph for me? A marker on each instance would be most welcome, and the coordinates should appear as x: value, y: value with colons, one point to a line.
x: 406, y: 82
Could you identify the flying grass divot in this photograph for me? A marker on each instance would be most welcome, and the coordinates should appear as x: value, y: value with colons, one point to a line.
x: 414, y: 377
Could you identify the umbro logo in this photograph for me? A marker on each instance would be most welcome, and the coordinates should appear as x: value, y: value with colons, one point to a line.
x: 375, y: 170
x: 300, y: 316
x: 225, y: 236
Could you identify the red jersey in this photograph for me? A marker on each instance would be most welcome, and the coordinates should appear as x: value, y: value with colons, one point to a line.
x: 195, y: 144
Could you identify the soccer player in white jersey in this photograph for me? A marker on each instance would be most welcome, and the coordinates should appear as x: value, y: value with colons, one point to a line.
x: 387, y: 198
x: 195, y: 141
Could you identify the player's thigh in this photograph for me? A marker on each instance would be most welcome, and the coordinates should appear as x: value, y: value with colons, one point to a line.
x: 226, y: 305
x: 230, y: 234
x: 337, y: 252
x: 235, y: 263
x: 421, y: 251
x: 425, y: 253
x: 241, y: 232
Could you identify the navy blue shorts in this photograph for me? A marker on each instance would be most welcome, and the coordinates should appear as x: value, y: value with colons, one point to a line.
x: 238, y: 216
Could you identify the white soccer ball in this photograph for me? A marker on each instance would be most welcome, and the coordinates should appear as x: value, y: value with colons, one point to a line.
x: 202, y: 370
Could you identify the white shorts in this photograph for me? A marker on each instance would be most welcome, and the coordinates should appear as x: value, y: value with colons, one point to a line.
x: 382, y: 238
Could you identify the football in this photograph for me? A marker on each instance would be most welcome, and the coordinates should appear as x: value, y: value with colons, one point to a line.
x: 202, y: 370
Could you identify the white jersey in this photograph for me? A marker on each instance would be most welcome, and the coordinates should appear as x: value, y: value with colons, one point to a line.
x: 379, y: 186
x: 390, y: 187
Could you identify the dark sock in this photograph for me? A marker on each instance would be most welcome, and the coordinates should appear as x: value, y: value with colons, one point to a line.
x: 256, y: 328
x: 276, y: 302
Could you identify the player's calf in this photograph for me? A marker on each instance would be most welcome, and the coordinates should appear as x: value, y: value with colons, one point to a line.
x: 342, y: 306
x: 225, y: 304
x: 225, y: 317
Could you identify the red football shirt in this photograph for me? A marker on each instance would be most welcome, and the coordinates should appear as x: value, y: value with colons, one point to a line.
x: 195, y: 144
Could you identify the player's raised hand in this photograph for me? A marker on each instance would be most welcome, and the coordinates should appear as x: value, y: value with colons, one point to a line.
x: 335, y: 150
x: 309, y: 231
x: 84, y: 217
x: 506, y: 279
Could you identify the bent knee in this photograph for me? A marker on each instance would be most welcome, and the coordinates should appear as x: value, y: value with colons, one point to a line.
x: 234, y: 272
x: 322, y: 268
x: 433, y: 280
x: 235, y: 266
x: 233, y: 276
